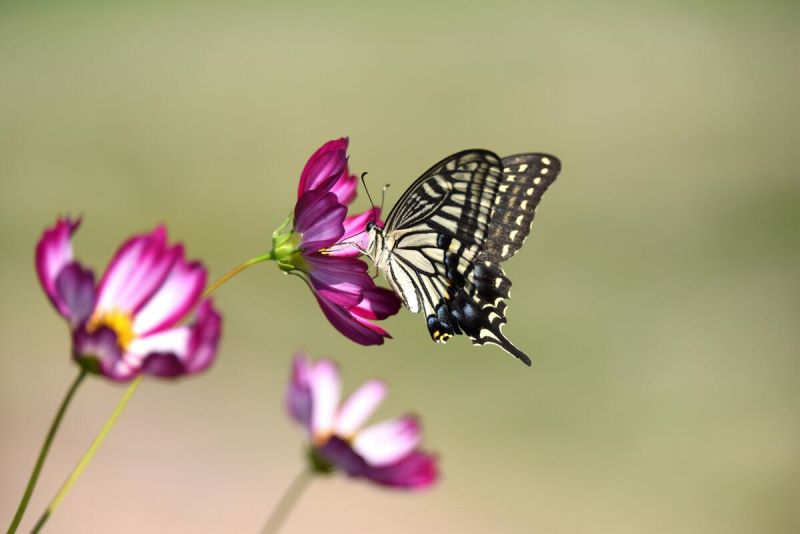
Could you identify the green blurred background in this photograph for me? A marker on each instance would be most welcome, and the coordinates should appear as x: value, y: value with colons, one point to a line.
x: 658, y: 294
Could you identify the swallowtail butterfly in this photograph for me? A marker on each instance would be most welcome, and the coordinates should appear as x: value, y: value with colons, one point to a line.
x: 444, y: 240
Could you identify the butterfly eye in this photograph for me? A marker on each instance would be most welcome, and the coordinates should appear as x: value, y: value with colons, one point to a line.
x: 370, y: 225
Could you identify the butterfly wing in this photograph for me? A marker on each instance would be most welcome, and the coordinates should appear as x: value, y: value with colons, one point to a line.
x: 448, y: 233
x: 438, y: 226
x: 526, y: 178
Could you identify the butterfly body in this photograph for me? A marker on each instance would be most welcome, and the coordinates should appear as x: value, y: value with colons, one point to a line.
x: 444, y: 240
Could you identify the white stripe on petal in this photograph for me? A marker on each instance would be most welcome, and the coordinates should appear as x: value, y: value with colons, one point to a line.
x: 174, y: 341
x: 325, y: 390
x: 359, y: 406
x: 173, y: 299
x: 388, y: 442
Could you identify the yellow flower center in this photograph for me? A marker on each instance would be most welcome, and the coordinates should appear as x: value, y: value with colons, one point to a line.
x: 119, y: 321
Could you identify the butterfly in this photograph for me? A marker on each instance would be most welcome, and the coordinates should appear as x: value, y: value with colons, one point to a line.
x: 444, y: 240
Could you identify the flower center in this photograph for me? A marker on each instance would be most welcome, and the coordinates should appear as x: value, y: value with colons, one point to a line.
x: 117, y: 320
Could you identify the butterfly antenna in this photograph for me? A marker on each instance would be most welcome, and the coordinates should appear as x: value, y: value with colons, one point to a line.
x: 364, y: 183
x: 383, y: 195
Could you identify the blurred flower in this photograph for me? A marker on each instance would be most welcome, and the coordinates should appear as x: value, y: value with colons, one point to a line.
x: 323, y: 245
x: 386, y: 453
x: 129, y: 322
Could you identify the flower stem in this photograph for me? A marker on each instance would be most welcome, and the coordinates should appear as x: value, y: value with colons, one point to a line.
x: 48, y: 441
x: 287, y: 502
x: 236, y: 270
x: 87, y: 457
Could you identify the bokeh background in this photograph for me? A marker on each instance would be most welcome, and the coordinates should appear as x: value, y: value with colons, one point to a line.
x: 658, y: 293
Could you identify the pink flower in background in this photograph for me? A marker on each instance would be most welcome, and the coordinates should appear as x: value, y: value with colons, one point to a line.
x: 385, y: 453
x: 324, y: 244
x: 130, y: 322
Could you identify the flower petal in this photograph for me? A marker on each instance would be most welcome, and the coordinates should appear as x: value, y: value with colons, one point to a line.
x: 173, y: 299
x: 377, y: 303
x: 325, y: 167
x: 298, y: 397
x: 355, y: 238
x: 137, y: 270
x: 76, y: 289
x: 100, y: 351
x: 341, y: 455
x: 318, y: 216
x: 348, y: 325
x: 345, y: 187
x: 180, y: 351
x: 204, y: 341
x: 359, y: 406
x: 325, y: 390
x: 341, y: 281
x: 386, y: 443
x: 53, y: 253
x: 417, y: 470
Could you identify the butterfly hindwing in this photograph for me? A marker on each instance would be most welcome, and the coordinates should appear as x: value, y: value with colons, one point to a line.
x: 526, y: 178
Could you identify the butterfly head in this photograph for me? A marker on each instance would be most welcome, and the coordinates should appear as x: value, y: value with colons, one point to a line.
x: 375, y: 244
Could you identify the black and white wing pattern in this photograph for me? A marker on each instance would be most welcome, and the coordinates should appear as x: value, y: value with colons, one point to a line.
x: 445, y: 238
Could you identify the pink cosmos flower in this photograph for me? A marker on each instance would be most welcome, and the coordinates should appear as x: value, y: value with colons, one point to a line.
x: 324, y: 245
x: 130, y: 322
x: 385, y: 453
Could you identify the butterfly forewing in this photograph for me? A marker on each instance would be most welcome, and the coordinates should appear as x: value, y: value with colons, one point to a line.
x: 437, y: 227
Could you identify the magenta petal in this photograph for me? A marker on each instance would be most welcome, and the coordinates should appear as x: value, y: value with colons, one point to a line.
x: 377, y: 303
x: 341, y: 455
x: 101, y: 352
x: 163, y: 365
x: 137, y: 270
x: 53, y: 253
x: 75, y: 287
x: 180, y: 351
x: 298, y: 397
x: 173, y: 299
x: 348, y: 325
x: 340, y: 280
x: 418, y: 470
x: 345, y: 187
x: 318, y: 218
x: 327, y: 165
x: 204, y: 341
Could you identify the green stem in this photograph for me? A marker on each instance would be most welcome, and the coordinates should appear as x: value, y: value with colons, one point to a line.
x: 48, y: 441
x: 289, y: 498
x: 236, y: 270
x: 87, y: 457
